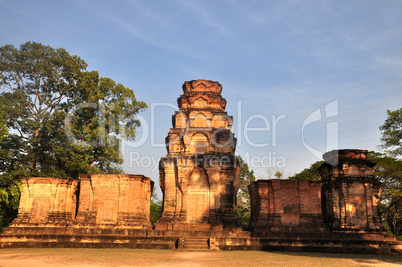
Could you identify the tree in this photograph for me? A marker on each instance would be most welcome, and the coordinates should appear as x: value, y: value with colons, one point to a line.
x: 156, y: 207
x: 389, y: 171
x: 3, y: 121
x: 243, y: 196
x: 392, y: 133
x: 64, y: 120
x: 272, y: 173
x: 9, y: 192
x: 4, y: 153
x: 9, y: 201
x: 278, y: 175
x: 35, y: 80
x: 310, y: 173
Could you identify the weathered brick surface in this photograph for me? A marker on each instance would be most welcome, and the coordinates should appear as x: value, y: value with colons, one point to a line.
x: 47, y: 201
x: 286, y: 206
x: 199, y: 177
x: 99, y: 199
x: 114, y: 199
x: 345, y: 200
x: 350, y: 191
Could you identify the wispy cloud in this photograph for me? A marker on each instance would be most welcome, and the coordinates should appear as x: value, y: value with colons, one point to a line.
x: 370, y: 40
x: 150, y: 37
x: 206, y: 17
x: 12, y: 7
x: 159, y: 17
x: 390, y: 61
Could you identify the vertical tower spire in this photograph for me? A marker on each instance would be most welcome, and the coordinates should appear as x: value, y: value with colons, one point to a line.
x: 200, y: 177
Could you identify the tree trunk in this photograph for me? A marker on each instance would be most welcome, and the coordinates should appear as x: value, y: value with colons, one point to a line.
x: 34, y: 150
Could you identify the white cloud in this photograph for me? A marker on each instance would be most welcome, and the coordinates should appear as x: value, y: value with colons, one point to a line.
x: 389, y: 61
x: 206, y: 17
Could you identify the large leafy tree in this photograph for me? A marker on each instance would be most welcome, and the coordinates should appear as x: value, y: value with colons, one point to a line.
x: 3, y: 121
x: 36, y: 80
x: 389, y: 171
x: 310, y: 173
x: 9, y: 190
x: 243, y: 196
x: 62, y: 120
x: 392, y: 133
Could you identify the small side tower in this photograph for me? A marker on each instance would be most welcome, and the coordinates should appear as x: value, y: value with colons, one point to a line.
x: 199, y: 177
x: 350, y: 191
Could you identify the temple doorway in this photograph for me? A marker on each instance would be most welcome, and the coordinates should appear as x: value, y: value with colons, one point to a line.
x: 198, y: 197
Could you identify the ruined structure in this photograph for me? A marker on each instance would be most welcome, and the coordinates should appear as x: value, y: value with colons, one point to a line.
x: 47, y: 201
x: 93, y: 200
x: 350, y: 192
x: 199, y: 177
x: 114, y: 199
x: 283, y: 206
x: 346, y: 200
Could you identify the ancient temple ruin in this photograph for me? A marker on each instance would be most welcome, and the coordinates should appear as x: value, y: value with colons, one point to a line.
x: 200, y: 177
x: 345, y: 201
x: 47, y: 200
x: 350, y: 192
x: 285, y: 206
x: 110, y: 199
x: 96, y: 200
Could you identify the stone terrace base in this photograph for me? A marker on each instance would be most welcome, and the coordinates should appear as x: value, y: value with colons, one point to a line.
x: 209, y: 227
x: 351, y: 246
x: 123, y: 237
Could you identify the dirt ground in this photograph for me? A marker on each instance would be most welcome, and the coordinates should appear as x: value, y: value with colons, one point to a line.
x: 137, y: 257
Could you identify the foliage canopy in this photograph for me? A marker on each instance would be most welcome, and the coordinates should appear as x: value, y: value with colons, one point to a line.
x: 57, y: 119
x: 392, y: 133
x: 243, y: 196
x: 310, y: 173
x: 63, y: 120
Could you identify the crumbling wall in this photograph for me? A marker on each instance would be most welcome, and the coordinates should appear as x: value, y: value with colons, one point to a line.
x: 280, y: 205
x: 345, y: 200
x: 351, y: 193
x: 114, y: 199
x: 97, y: 199
x: 44, y: 200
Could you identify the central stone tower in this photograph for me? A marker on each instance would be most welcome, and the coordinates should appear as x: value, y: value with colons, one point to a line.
x: 200, y: 176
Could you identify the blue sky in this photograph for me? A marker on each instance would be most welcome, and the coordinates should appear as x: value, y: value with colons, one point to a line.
x: 273, y: 58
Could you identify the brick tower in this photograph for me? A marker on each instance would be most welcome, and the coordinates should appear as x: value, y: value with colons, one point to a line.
x: 199, y: 177
x: 350, y: 191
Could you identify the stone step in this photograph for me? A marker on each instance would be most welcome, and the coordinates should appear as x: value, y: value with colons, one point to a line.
x: 196, y: 240
x: 195, y: 243
x: 198, y: 245
x: 195, y: 248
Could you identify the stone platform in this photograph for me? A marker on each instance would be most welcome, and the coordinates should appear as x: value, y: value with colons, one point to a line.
x: 115, y: 237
